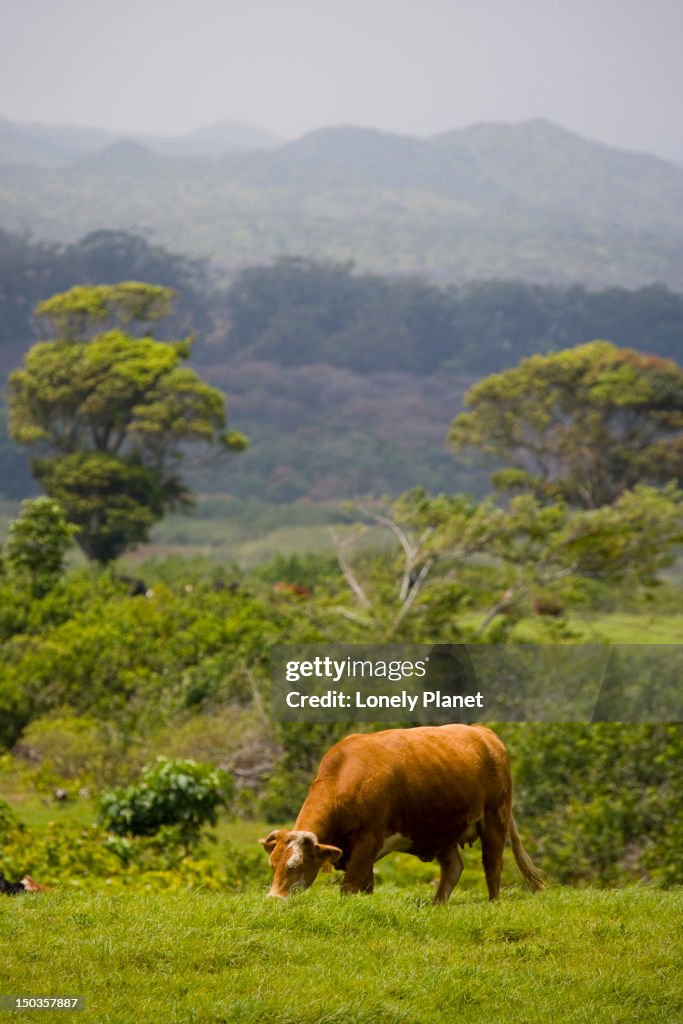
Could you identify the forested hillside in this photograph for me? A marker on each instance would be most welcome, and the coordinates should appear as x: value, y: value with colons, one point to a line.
x: 528, y: 200
x: 345, y: 382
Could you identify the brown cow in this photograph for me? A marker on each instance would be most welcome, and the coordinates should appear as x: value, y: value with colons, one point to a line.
x: 425, y: 791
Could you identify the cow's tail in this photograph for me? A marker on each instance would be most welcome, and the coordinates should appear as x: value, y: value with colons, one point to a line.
x: 525, y: 864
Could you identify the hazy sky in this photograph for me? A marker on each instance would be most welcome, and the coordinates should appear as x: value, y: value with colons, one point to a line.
x: 610, y: 69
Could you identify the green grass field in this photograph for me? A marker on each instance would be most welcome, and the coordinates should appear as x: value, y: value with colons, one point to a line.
x: 567, y: 955
x: 563, y: 956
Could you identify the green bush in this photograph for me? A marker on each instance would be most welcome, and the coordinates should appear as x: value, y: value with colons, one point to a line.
x: 303, y: 570
x: 37, y: 544
x: 132, y: 662
x: 184, y: 794
x: 600, y: 803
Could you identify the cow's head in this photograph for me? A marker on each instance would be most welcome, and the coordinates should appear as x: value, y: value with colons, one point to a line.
x: 296, y: 857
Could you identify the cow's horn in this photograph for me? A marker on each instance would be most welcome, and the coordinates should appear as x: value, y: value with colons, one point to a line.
x: 269, y: 842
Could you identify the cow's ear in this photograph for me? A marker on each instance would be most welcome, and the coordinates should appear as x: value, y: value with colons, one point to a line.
x: 327, y: 854
x: 269, y: 842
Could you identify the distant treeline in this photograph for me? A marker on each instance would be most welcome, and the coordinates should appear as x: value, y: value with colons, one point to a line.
x: 344, y: 381
x: 297, y: 312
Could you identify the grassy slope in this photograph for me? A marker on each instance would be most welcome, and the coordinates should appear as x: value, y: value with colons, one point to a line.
x: 563, y: 956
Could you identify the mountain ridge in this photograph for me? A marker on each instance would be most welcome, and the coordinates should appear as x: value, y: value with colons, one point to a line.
x: 529, y: 200
x: 59, y: 145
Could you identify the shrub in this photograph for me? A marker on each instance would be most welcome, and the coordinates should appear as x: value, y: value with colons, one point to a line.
x: 178, y: 793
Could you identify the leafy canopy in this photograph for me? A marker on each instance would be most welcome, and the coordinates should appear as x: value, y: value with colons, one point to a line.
x: 583, y: 425
x: 106, y: 414
x: 73, y: 312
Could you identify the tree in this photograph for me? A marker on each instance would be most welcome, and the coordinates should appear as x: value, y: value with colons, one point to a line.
x: 37, y: 543
x: 107, y: 414
x: 454, y: 552
x: 583, y: 425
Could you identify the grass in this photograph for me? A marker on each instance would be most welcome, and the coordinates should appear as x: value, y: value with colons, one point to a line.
x: 610, y: 627
x: 569, y: 956
x: 647, y: 627
x: 564, y: 956
x: 247, y: 533
x: 630, y: 628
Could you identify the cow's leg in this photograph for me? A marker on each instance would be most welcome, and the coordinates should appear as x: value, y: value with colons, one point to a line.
x: 369, y: 883
x: 493, y: 835
x: 358, y: 876
x: 451, y: 866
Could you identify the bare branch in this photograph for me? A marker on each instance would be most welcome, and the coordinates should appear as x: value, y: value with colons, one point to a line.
x: 414, y: 591
x: 345, y: 566
x: 410, y: 550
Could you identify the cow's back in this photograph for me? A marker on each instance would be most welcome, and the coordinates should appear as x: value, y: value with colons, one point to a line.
x: 429, y: 784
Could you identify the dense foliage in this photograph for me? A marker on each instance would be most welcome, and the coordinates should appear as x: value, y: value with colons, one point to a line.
x: 87, y: 857
x: 102, y: 674
x: 345, y: 381
x: 602, y: 801
x: 296, y: 311
x: 133, y: 661
x: 96, y: 683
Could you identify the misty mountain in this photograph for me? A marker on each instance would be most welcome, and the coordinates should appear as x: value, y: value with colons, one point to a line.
x: 125, y: 158
x: 19, y: 146
x: 46, y: 145
x: 545, y: 166
x: 348, y: 157
x: 213, y: 140
x: 528, y: 200
x: 534, y: 164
